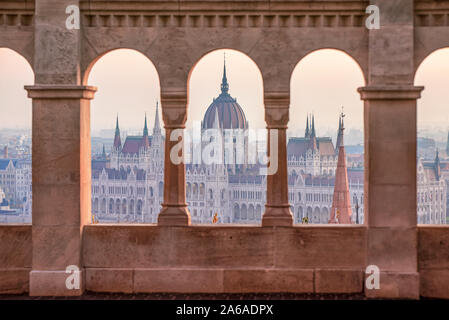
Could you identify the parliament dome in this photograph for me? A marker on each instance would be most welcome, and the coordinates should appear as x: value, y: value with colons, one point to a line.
x: 230, y: 114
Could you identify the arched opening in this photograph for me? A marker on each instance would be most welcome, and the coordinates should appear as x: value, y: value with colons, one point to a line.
x: 432, y: 167
x: 15, y: 138
x: 126, y: 130
x: 326, y: 116
x: 225, y: 98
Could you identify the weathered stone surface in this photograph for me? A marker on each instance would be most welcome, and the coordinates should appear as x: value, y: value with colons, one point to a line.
x: 268, y: 280
x: 196, y: 280
x: 433, y: 247
x: 396, y: 286
x: 320, y: 247
x: 14, y: 280
x: 53, y: 283
x: 15, y: 248
x: 109, y: 280
x: 338, y: 280
x: 434, y: 283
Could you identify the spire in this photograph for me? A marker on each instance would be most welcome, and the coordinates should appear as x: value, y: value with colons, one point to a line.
x: 224, y: 81
x: 103, y: 155
x: 437, y: 166
x: 341, y: 203
x: 157, y: 126
x: 313, y: 126
x: 341, y: 127
x: 117, y: 140
x: 307, y: 134
x: 145, y: 128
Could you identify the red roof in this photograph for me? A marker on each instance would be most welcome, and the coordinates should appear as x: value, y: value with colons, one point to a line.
x: 134, y: 143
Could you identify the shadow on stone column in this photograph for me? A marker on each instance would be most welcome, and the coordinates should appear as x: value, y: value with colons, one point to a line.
x: 277, y: 209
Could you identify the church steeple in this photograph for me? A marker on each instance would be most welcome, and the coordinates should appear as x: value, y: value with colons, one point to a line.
x: 117, y: 140
x: 339, y: 141
x: 224, y: 81
x: 145, y: 128
x: 341, y: 210
x: 157, y: 126
x: 313, y: 134
x: 437, y: 166
x: 307, y: 134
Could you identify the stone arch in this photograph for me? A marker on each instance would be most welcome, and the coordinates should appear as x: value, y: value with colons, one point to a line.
x: 131, y: 206
x: 161, y: 189
x: 211, y: 194
x: 195, y: 191
x: 359, y: 60
x: 124, y: 206
x: 316, y: 215
x: 325, y: 215
x: 213, y: 59
x: 258, y: 212
x: 103, y: 205
x: 236, y: 212
x: 117, y: 206
x: 251, y: 212
x: 244, y: 212
x: 89, y: 61
x: 188, y: 190
x: 111, y: 205
x: 27, y: 55
x: 202, y: 190
x: 139, y: 207
x: 299, y: 214
x: 310, y: 214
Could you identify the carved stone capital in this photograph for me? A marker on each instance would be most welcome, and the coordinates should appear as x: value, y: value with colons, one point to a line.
x: 174, y: 109
x: 60, y: 92
x: 277, y: 109
x: 390, y: 92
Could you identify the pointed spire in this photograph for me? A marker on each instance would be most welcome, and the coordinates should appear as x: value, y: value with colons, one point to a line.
x: 157, y: 126
x: 307, y: 134
x: 341, y: 128
x: 224, y: 81
x: 341, y: 210
x: 313, y: 126
x: 104, y: 152
x: 437, y: 166
x: 117, y: 140
x: 145, y: 128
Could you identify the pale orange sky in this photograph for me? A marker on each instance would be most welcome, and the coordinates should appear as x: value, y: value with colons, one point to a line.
x: 321, y: 83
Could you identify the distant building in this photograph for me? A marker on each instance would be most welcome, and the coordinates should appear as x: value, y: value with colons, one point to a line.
x: 127, y: 185
x: 431, y: 191
x: 15, y: 182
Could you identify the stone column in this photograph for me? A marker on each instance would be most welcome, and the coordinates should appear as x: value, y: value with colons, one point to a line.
x: 61, y: 185
x: 277, y: 212
x: 174, y: 208
x: 390, y: 188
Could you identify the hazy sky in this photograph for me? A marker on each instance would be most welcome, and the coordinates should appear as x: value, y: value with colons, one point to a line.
x: 321, y: 83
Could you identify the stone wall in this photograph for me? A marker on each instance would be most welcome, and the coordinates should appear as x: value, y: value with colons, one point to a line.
x: 302, y: 259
